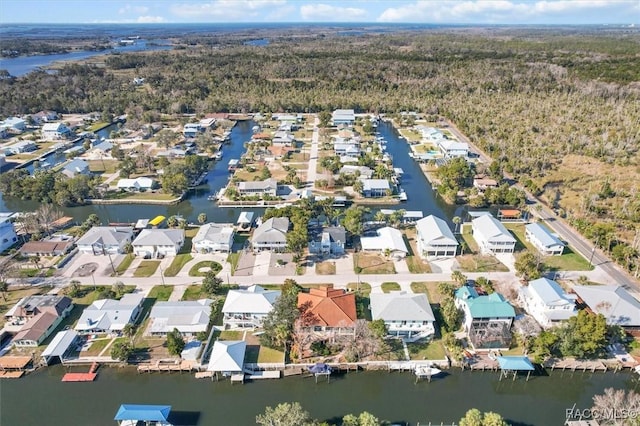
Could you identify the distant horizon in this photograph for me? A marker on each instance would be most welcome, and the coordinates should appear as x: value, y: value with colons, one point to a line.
x: 410, y: 12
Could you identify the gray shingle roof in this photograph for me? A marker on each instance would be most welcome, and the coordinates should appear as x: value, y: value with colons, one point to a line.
x: 273, y: 230
x: 401, y: 306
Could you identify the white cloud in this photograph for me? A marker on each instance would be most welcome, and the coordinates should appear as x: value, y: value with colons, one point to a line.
x: 150, y: 19
x: 285, y: 13
x: 325, y: 12
x: 506, y: 11
x: 227, y: 10
x: 133, y: 9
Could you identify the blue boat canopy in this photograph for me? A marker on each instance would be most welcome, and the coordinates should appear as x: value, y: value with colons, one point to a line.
x: 320, y: 368
x: 145, y: 413
x: 515, y: 363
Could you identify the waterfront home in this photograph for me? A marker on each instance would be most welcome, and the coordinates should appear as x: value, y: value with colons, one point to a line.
x: 110, y: 316
x: 265, y: 187
x: 139, y: 184
x: 328, y: 240
x: 248, y: 308
x: 492, y: 236
x: 152, y: 243
x: 362, y: 171
x: 101, y: 240
x: 52, y: 246
x: 545, y: 301
x: 435, y: 239
x: 347, y: 149
x: 271, y: 235
x: 482, y: 183
x: 103, y: 147
x: 44, y: 116
x: 387, y: 241
x: 283, y: 138
x: 62, y: 344
x: 15, y: 124
x: 343, y: 117
x: 191, y: 130
x: 188, y: 316
x: 207, y: 123
x: 53, y: 131
x: 430, y: 133
x: 617, y: 305
x: 333, y: 311
x: 543, y: 239
x: 8, y: 236
x: 212, y: 237
x: 227, y: 357
x: 487, y: 318
x: 20, y: 147
x: 452, y: 148
x: 34, y: 318
x: 76, y: 167
x: 408, y: 216
x: 372, y: 188
x: 405, y: 314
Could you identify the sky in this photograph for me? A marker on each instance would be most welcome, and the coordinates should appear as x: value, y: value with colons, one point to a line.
x: 397, y: 11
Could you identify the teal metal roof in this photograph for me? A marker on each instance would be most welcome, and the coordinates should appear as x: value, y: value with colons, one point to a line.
x: 491, y: 306
x: 515, y: 363
x: 145, y: 413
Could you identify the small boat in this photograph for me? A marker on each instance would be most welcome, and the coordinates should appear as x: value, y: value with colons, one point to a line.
x: 217, y: 155
x: 403, y: 196
x: 426, y: 371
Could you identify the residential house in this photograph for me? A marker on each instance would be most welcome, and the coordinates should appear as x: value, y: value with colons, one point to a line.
x: 191, y: 130
x: 227, y: 357
x: 110, y: 316
x: 76, y: 167
x: 362, y: 171
x: 101, y: 240
x: 53, y: 131
x: 543, y: 239
x: 8, y: 236
x: 154, y: 243
x: 271, y: 235
x: 430, y: 133
x: 34, y: 318
x: 207, y: 123
x: 344, y: 117
x: 435, y: 239
x: 453, y: 148
x: 372, y: 188
x: 388, y: 241
x: 188, y: 316
x: 213, y: 237
x: 20, y: 147
x: 139, y: 184
x: 248, y: 308
x: 545, y: 300
x: 103, y: 147
x: 406, y: 315
x: 55, y: 246
x: 44, y: 116
x: 333, y: 310
x: 492, y: 236
x: 265, y: 187
x: 483, y: 183
x: 617, y: 305
x: 487, y: 318
x: 330, y: 240
x: 347, y: 149
x: 283, y: 138
x: 15, y: 124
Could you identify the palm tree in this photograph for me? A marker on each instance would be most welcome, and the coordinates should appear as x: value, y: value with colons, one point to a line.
x: 458, y: 277
x: 36, y: 260
x: 380, y: 217
x: 457, y: 220
x: 129, y: 331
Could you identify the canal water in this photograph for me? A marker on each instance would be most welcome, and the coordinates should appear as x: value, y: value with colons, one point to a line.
x: 419, y: 192
x: 42, y: 398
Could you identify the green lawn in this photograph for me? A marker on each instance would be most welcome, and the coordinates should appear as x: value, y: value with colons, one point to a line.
x: 124, y: 265
x: 160, y: 293
x: 417, y: 266
x: 233, y: 260
x: 195, y: 269
x: 390, y: 286
x: 194, y: 292
x: 259, y: 354
x: 176, y: 265
x: 468, y: 238
x: 146, y: 268
x: 569, y: 261
x: 429, y: 288
x: 231, y: 335
x: 362, y: 288
x: 96, y: 347
x: 480, y: 263
x: 422, y: 350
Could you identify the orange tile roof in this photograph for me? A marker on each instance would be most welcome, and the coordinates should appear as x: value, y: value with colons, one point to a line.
x: 332, y: 307
x: 510, y: 212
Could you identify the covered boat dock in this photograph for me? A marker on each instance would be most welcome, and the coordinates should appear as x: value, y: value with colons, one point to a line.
x: 514, y: 364
x: 133, y: 414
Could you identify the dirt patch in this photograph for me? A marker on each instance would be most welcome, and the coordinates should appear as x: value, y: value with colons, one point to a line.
x: 282, y: 264
x: 85, y: 270
x: 245, y: 264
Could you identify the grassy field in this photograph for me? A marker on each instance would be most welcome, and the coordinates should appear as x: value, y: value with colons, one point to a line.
x: 233, y: 260
x: 103, y: 166
x: 160, y: 293
x: 429, y: 288
x: 362, y: 288
x: 480, y: 263
x: 468, y: 238
x: 96, y: 347
x: 124, y: 265
x: 569, y: 261
x: 414, y: 262
x: 373, y: 264
x: 262, y: 354
x: 422, y: 350
x: 231, y: 335
x: 390, y: 286
x: 176, y: 265
x: 195, y: 269
x: 194, y: 292
x: 146, y: 268
x: 326, y: 268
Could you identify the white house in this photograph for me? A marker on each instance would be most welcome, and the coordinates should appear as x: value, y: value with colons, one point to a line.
x: 347, y: 149
x: 405, y: 314
x: 545, y: 300
x: 53, y: 131
x: 430, y: 133
x: 227, y: 356
x: 265, y: 187
x: 44, y: 116
x: 372, y: 188
x: 434, y: 238
x: 105, y: 240
x: 343, y: 116
x: 158, y: 242
x: 543, y: 239
x: 214, y: 237
x: 14, y: 123
x: 188, y: 316
x: 271, y: 235
x: 76, y: 167
x: 191, y: 130
x: 453, y: 148
x: 283, y: 138
x: 386, y: 239
x: 8, y: 236
x: 20, y: 147
x: 330, y: 240
x: 492, y: 236
x: 110, y: 316
x: 248, y: 308
x: 617, y: 305
x: 137, y: 184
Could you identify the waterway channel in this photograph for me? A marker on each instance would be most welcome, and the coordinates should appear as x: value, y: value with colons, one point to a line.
x: 42, y: 398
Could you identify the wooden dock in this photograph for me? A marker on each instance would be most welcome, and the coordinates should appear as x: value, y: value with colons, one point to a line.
x: 90, y: 376
x: 170, y: 367
x: 11, y: 374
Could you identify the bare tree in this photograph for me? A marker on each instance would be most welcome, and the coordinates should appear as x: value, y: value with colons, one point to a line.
x: 45, y: 215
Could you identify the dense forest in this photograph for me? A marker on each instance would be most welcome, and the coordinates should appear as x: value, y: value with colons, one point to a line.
x: 558, y: 109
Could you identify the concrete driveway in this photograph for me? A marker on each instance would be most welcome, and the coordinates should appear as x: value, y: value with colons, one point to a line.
x: 103, y: 263
x: 344, y: 264
x: 261, y: 266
